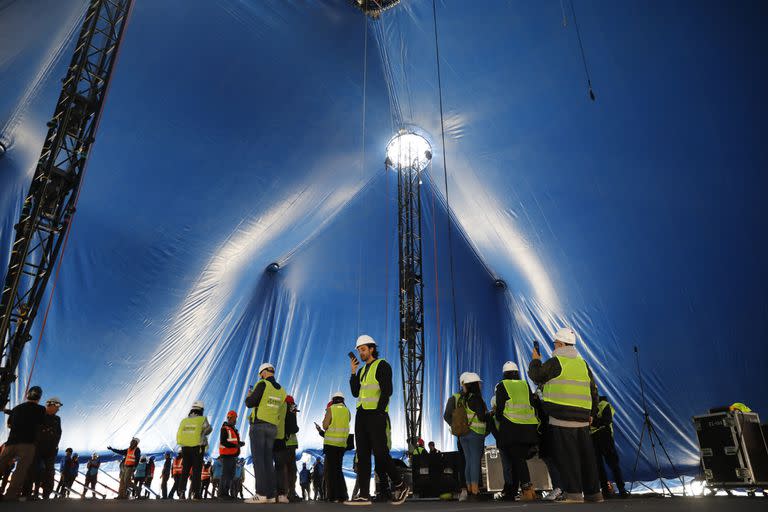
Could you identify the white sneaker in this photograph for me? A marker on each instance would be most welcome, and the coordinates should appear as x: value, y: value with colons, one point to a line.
x: 553, y: 495
x: 258, y: 499
x: 283, y: 499
x: 463, y: 495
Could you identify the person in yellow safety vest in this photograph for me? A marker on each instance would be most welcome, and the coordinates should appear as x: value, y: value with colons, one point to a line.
x: 132, y: 455
x: 419, y: 450
x: 229, y: 451
x: 335, y: 432
x: 267, y: 403
x: 569, y: 399
x: 473, y: 442
x: 518, y: 430
x: 738, y: 406
x: 450, y: 406
x: 285, y: 454
x: 372, y: 386
x: 605, y: 447
x: 192, y: 437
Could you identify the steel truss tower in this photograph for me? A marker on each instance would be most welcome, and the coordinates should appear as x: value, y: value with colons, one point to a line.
x: 50, y: 203
x: 411, y: 294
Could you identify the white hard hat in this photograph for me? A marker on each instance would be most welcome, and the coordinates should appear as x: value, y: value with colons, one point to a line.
x: 54, y: 400
x: 198, y: 404
x: 266, y: 366
x: 338, y: 394
x: 135, y: 439
x: 566, y: 335
x: 509, y: 366
x: 471, y: 377
x: 462, y: 376
x: 364, y: 339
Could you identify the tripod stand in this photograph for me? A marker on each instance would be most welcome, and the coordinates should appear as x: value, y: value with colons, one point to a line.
x: 654, y: 438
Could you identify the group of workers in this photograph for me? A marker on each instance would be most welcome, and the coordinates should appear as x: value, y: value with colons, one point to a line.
x: 32, y: 446
x: 564, y: 422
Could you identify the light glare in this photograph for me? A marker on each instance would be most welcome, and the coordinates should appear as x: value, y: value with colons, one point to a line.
x: 408, y: 149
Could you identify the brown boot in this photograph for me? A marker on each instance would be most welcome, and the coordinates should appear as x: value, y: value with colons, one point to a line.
x: 528, y: 494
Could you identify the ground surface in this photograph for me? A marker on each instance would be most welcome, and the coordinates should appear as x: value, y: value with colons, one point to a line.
x: 629, y: 505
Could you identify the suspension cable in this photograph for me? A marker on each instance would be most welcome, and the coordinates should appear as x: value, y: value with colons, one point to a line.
x: 447, y: 202
x: 362, y: 169
x: 583, y: 56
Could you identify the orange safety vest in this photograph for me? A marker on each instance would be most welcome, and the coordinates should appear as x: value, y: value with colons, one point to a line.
x: 176, y: 469
x: 205, y: 474
x: 232, y: 437
x: 130, y: 457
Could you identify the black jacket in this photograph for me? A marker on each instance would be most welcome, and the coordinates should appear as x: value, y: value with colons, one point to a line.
x: 384, y: 376
x: 291, y: 427
x: 48, y: 435
x: 24, y: 422
x: 166, y: 468
x: 541, y: 373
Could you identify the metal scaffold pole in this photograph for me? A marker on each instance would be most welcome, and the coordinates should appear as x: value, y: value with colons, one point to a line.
x: 50, y: 203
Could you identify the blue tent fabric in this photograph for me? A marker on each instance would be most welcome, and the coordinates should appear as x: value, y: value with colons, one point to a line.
x: 232, y: 138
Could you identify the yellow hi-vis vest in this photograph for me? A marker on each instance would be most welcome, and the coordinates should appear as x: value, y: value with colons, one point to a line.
x: 269, y: 407
x: 518, y: 408
x: 370, y: 391
x: 292, y: 441
x: 190, y: 431
x: 475, y: 424
x: 571, y: 387
x: 338, y: 430
x: 601, y: 405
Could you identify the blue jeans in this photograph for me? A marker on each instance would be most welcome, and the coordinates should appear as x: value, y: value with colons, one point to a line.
x: 262, y: 437
x: 472, y: 444
x: 228, y: 463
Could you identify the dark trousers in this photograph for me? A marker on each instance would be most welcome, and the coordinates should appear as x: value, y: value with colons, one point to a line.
x: 164, y: 486
x: 176, y: 487
x: 228, y: 463
x: 283, y: 459
x: 291, y: 471
x: 47, y: 474
x: 192, y: 459
x: 336, y: 487
x: 516, y: 472
x: 371, y: 438
x: 605, y: 453
x: 575, y: 458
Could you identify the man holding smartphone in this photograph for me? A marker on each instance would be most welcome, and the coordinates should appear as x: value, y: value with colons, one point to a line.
x: 372, y: 386
x: 569, y: 398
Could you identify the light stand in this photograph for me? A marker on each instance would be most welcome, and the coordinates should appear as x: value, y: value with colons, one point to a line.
x: 653, y: 437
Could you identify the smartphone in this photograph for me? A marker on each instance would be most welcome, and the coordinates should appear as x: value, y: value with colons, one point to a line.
x: 536, y: 346
x: 352, y: 356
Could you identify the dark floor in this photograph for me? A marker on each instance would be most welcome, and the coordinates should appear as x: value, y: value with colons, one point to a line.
x: 629, y: 505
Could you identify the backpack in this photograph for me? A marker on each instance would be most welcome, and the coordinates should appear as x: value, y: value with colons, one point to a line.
x: 459, y: 420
